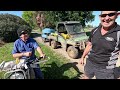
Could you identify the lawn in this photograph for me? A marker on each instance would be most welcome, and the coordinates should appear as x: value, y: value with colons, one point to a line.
x: 57, y: 67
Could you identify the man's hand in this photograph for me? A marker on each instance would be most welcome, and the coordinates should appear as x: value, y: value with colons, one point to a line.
x: 40, y: 52
x: 82, y: 61
x: 27, y: 54
x: 42, y: 55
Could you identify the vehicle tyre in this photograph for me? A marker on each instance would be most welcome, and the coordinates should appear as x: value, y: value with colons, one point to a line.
x: 73, y: 52
x: 16, y: 75
x: 43, y: 40
x: 54, y: 44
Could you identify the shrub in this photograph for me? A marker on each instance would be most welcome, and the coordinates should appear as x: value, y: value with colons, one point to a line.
x: 9, y: 25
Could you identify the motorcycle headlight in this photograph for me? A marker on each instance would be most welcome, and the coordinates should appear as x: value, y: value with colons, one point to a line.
x: 17, y: 76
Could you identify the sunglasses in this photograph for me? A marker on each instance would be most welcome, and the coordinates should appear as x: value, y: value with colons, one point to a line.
x: 110, y: 15
x: 23, y: 33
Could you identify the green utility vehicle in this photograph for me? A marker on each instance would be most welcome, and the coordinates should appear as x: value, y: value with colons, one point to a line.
x: 70, y: 36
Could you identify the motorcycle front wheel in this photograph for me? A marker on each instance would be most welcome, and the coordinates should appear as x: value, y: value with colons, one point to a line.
x: 16, y: 75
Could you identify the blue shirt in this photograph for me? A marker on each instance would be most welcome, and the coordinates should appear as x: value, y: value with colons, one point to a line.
x: 29, y: 46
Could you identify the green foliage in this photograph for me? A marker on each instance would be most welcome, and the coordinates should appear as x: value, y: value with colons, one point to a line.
x: 89, y: 26
x: 56, y: 16
x: 8, y: 27
x: 28, y: 17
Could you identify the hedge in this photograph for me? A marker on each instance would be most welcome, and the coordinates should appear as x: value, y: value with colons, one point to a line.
x: 9, y: 25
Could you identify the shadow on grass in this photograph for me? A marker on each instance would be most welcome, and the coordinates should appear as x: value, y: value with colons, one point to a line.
x: 53, y: 71
x: 34, y: 35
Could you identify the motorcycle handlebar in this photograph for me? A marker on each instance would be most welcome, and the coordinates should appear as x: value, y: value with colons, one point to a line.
x: 37, y: 60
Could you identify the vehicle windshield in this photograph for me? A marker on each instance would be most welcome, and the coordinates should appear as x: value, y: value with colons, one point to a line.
x: 74, y: 28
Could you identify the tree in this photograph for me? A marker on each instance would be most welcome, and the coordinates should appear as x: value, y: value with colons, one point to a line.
x: 56, y: 16
x: 89, y: 26
x: 34, y: 18
x: 42, y: 17
x: 28, y: 17
x: 9, y: 25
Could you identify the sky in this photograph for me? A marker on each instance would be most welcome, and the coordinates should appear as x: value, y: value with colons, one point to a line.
x: 93, y: 23
x: 18, y: 13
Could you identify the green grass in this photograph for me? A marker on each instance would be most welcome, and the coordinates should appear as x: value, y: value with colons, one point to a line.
x: 6, y: 52
x: 57, y: 67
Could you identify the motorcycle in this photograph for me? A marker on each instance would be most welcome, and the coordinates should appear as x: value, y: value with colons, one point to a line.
x: 24, y: 69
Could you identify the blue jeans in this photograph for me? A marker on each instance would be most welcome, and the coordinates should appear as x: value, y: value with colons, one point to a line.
x: 38, y: 73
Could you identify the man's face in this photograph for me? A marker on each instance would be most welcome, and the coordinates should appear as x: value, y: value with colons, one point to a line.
x: 24, y: 36
x: 108, y: 18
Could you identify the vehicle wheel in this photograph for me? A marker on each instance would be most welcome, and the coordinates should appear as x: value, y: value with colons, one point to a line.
x: 32, y: 73
x: 17, y: 75
x: 54, y: 44
x: 50, y: 42
x: 43, y: 40
x: 73, y: 52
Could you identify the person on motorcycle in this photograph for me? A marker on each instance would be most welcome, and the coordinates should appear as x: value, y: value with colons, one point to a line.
x: 25, y: 47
